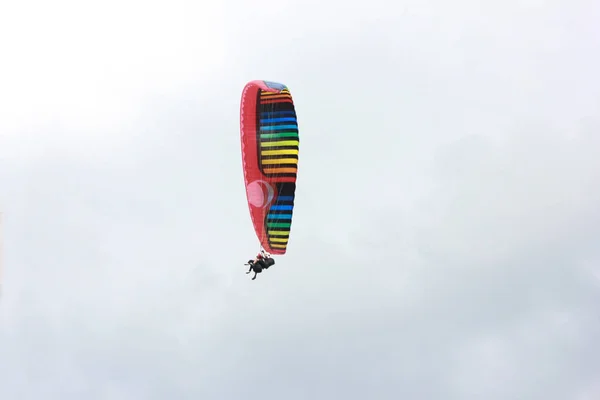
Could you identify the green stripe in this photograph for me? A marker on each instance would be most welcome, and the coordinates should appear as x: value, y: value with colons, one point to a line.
x: 279, y: 135
x: 279, y: 224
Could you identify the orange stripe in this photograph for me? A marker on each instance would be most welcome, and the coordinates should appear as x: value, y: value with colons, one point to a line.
x: 280, y: 170
x: 262, y: 101
x: 278, y: 96
x: 263, y: 93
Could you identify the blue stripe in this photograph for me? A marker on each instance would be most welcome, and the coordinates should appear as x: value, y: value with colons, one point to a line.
x: 282, y: 208
x: 275, y: 127
x: 270, y: 120
x: 285, y: 198
x: 269, y: 113
x: 279, y: 216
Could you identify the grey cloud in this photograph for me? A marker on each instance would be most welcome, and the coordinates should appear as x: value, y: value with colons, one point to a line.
x: 444, y: 240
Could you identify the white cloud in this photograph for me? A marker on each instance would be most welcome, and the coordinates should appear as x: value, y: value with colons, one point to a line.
x: 77, y: 77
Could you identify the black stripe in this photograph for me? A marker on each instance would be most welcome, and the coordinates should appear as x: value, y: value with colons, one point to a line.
x: 279, y: 96
x: 296, y: 130
x: 283, y: 202
x: 277, y: 123
x: 294, y: 147
x: 286, y: 189
x: 278, y: 139
x: 280, y: 166
x: 278, y: 156
x: 271, y: 114
x: 286, y: 175
x: 280, y: 212
x: 284, y: 106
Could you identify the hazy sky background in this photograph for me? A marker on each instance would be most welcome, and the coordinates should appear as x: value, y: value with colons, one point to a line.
x: 446, y: 234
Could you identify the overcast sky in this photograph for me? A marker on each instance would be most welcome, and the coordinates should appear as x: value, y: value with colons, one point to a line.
x: 446, y: 234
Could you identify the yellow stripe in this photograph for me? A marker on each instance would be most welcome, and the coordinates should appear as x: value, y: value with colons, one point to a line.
x: 279, y: 152
x: 279, y: 240
x: 282, y: 143
x: 278, y: 246
x: 274, y: 93
x: 281, y: 233
x: 273, y: 161
x: 267, y: 92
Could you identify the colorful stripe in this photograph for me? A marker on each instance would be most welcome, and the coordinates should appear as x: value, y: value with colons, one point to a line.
x: 277, y: 134
x: 278, y: 220
x: 278, y: 148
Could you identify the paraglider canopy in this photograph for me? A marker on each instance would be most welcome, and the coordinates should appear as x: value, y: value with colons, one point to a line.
x: 270, y: 149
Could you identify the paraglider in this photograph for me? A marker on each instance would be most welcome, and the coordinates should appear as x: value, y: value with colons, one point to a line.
x: 270, y: 148
x: 262, y: 261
